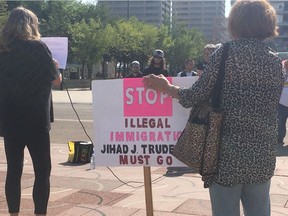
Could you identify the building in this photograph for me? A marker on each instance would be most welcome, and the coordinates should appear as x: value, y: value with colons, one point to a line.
x: 154, y: 11
x: 207, y: 16
x: 279, y: 43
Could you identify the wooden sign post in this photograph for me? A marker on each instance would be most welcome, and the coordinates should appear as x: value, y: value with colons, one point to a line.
x: 148, y: 191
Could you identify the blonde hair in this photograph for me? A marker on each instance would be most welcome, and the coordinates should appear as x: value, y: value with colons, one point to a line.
x: 252, y: 19
x: 22, y: 24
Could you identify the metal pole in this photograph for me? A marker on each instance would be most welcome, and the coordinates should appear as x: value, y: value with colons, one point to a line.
x: 128, y: 9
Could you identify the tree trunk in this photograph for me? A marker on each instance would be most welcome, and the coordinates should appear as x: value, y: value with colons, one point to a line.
x: 90, y: 71
x: 82, y: 70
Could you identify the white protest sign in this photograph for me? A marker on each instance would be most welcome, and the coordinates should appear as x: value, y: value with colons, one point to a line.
x: 135, y: 126
x: 59, y: 49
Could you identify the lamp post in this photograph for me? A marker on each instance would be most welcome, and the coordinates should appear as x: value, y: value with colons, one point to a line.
x: 128, y: 9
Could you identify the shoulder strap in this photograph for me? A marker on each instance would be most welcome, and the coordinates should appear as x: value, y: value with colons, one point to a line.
x: 216, y: 94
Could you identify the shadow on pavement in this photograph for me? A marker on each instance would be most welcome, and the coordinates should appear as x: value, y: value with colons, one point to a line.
x: 72, y: 164
x: 282, y: 150
x: 178, y: 171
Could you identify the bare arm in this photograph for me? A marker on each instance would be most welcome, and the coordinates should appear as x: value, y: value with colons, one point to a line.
x: 161, y: 84
x: 58, y: 80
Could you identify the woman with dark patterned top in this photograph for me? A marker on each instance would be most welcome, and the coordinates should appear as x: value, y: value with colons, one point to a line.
x: 27, y: 72
x: 251, y: 91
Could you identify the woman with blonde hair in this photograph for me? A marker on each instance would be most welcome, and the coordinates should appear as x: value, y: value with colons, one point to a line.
x: 253, y: 81
x: 27, y: 72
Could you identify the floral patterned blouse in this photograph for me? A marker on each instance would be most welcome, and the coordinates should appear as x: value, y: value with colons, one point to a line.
x: 251, y: 91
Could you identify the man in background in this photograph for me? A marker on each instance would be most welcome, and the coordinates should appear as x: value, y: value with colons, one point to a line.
x: 135, y: 68
x: 283, y: 109
x: 188, y: 69
x: 208, y: 49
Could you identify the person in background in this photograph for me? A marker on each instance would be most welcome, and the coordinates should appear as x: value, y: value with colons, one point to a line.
x: 136, y: 73
x: 251, y: 91
x: 27, y: 72
x: 157, y: 64
x: 208, y: 49
x: 283, y: 109
x: 188, y: 69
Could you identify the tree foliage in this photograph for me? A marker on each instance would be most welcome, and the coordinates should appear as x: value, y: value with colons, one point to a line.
x: 88, y: 43
x: 94, y: 36
x: 129, y: 39
x: 3, y: 12
x: 187, y: 43
x: 136, y: 40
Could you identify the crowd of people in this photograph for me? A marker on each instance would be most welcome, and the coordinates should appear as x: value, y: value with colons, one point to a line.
x: 254, y: 100
x: 157, y: 64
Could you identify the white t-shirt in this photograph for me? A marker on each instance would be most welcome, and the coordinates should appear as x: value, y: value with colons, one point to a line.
x: 187, y: 73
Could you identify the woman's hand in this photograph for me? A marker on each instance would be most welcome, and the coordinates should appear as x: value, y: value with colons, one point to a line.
x: 285, y: 65
x: 161, y: 84
x: 57, y: 65
x: 158, y: 83
x: 58, y: 80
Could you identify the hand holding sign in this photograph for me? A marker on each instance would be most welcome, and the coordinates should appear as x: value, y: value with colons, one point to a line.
x: 161, y: 84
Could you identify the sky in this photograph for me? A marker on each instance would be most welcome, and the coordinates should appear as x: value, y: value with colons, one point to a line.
x: 227, y: 7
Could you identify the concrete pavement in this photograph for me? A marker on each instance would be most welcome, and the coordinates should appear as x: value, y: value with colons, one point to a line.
x: 76, y: 95
x: 76, y: 190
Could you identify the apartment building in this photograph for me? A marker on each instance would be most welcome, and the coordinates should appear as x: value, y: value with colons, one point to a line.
x: 154, y: 11
x: 279, y: 43
x: 207, y: 16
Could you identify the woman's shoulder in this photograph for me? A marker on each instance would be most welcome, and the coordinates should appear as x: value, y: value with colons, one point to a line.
x: 36, y: 43
x: 38, y: 46
x: 249, y: 44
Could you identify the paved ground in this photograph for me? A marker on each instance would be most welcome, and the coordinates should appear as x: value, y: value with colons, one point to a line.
x: 76, y: 190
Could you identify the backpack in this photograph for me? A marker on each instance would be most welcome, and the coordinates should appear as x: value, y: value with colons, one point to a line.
x: 80, y: 151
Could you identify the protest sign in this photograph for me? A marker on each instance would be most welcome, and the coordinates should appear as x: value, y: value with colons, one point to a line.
x: 135, y: 126
x: 59, y: 49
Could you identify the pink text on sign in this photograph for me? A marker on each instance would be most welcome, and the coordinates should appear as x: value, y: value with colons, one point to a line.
x: 140, y: 101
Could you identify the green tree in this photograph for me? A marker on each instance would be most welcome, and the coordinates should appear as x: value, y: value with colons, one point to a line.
x: 164, y: 42
x: 88, y: 43
x: 3, y: 13
x: 38, y: 7
x: 187, y: 43
x: 58, y: 16
x: 95, y: 11
x: 147, y: 42
x: 93, y: 35
x: 126, y: 42
x: 136, y: 40
x: 13, y: 4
